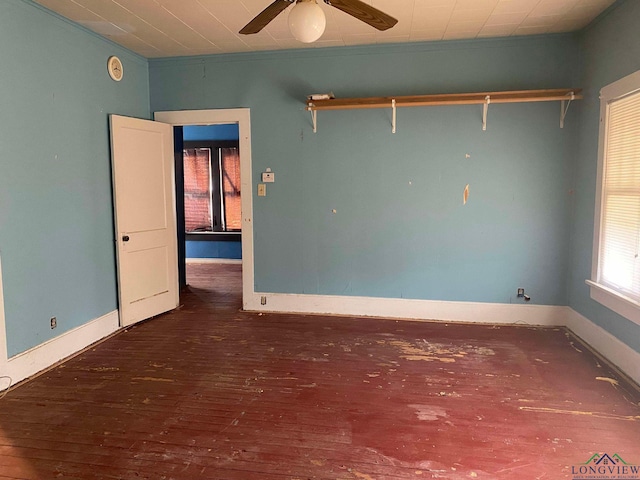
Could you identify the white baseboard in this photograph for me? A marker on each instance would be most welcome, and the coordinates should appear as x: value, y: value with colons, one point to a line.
x: 27, y: 364
x: 234, y: 261
x: 3, y: 331
x: 402, y: 308
x: 610, y: 347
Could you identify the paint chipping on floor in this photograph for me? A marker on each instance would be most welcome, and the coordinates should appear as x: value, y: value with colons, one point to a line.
x: 428, y: 413
x: 612, y: 381
x: 153, y: 379
x: 610, y: 416
x: 423, y: 350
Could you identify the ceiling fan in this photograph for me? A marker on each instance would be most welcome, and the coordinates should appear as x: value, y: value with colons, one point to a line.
x: 307, y: 20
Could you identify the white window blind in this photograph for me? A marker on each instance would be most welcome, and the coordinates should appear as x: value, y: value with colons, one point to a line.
x: 619, y: 261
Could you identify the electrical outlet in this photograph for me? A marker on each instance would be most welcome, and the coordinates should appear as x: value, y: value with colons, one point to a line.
x: 263, y: 300
x: 521, y: 292
x: 54, y: 322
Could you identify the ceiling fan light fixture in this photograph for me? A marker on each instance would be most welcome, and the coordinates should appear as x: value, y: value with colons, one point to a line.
x: 307, y: 21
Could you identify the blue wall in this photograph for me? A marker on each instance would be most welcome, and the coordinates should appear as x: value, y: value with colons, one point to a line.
x: 212, y: 248
x: 610, y: 51
x: 229, y: 131
x: 56, y: 234
x: 400, y: 229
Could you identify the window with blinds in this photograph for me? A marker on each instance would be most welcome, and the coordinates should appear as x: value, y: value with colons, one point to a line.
x: 212, y: 201
x: 620, y: 236
x: 615, y: 276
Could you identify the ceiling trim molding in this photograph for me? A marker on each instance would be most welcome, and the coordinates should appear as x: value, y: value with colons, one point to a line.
x: 378, y: 49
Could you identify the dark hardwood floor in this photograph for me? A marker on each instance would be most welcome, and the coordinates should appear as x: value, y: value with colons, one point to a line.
x: 211, y: 392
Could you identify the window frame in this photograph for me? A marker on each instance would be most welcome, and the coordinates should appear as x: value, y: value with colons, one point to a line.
x: 214, y: 146
x: 603, y: 294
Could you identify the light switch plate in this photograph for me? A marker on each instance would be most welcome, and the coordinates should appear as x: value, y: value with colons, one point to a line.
x: 262, y: 190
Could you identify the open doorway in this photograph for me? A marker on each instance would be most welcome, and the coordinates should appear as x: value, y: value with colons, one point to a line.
x: 211, y: 194
x: 237, y: 120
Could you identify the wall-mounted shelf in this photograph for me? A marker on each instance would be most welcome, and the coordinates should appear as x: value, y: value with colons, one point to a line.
x: 563, y: 95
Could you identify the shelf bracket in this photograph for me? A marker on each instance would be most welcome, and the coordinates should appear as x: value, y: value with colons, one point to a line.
x: 485, y: 110
x: 314, y: 119
x: 564, y: 107
x: 393, y: 116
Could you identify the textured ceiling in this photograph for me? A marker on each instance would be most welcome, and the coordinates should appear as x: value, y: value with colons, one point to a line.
x: 167, y: 28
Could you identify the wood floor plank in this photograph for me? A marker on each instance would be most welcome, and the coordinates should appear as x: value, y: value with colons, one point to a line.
x: 211, y: 392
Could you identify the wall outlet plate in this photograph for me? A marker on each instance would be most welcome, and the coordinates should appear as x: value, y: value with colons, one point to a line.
x: 53, y: 321
x: 521, y: 292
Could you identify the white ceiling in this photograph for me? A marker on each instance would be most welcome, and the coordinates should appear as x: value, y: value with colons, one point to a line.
x: 166, y: 28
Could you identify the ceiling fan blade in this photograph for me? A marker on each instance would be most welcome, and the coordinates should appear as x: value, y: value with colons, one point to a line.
x: 264, y: 17
x: 364, y: 12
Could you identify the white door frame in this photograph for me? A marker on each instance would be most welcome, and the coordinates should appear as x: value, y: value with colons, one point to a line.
x: 242, y: 117
x: 3, y: 332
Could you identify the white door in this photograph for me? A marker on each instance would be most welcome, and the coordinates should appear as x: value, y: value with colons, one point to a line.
x: 147, y: 251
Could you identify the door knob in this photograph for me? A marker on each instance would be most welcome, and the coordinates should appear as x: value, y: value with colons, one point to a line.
x: 125, y: 238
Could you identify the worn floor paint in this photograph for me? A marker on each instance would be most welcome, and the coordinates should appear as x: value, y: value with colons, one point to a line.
x: 211, y: 392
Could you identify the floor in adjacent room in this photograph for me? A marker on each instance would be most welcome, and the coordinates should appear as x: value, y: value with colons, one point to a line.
x: 211, y: 392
